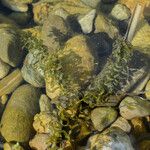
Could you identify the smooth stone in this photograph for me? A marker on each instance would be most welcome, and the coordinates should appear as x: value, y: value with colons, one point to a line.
x: 86, y: 22
x: 62, y: 13
x: 17, y: 119
x: 110, y: 139
x: 19, y: 6
x: 31, y: 74
x: 120, y: 12
x: 102, y: 24
x: 147, y: 90
x: 122, y: 124
x: 10, y: 47
x: 91, y: 3
x: 40, y: 142
x: 102, y: 117
x: 45, y: 103
x: 132, y: 107
x: 20, y: 18
x: 54, y: 32
x: 4, y: 69
x: 73, y: 7
x: 10, y: 146
x: 10, y: 82
x: 47, y: 122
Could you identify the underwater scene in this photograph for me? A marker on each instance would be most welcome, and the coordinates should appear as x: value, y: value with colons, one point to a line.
x: 74, y: 74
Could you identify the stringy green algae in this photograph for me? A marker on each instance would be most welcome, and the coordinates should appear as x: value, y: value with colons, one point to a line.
x: 36, y: 47
x: 104, y: 88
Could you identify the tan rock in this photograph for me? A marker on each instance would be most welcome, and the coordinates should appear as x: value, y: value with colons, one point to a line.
x: 122, y: 124
x: 17, y: 119
x: 39, y: 142
x: 132, y: 3
x: 147, y: 90
x: 112, y: 138
x: 132, y: 107
x: 41, y: 11
x: 10, y: 146
x: 20, y: 5
x: 54, y: 32
x: 45, y: 122
x: 102, y: 117
x: 104, y: 25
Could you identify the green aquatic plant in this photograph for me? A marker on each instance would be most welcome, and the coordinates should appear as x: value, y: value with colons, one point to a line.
x: 105, y: 87
x: 35, y: 46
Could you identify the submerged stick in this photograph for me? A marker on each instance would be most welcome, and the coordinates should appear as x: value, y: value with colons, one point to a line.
x: 133, y: 23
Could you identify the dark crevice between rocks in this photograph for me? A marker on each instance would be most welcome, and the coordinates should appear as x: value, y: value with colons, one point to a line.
x: 73, y: 24
x: 101, y: 46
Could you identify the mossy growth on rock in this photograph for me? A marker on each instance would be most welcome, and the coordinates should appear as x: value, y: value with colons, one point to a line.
x: 69, y: 71
x: 103, y: 89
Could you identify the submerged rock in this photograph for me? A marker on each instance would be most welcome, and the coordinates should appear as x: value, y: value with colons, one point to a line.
x: 46, y: 122
x: 10, y: 82
x: 70, y: 69
x: 122, y: 124
x: 132, y: 107
x: 62, y: 13
x: 54, y: 32
x: 10, y: 47
x: 102, y: 117
x: 41, y: 11
x: 112, y: 139
x: 73, y: 7
x: 102, y: 24
x: 5, y: 20
x: 17, y: 5
x: 17, y: 119
x: 34, y: 64
x: 10, y: 146
x: 20, y: 18
x: 86, y: 22
x: 30, y: 73
x: 120, y: 12
x: 45, y: 103
x: 93, y: 3
x: 4, y: 69
x: 147, y: 90
x: 40, y: 142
